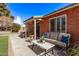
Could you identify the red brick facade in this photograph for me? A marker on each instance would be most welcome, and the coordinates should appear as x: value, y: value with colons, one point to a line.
x: 72, y: 23
x: 30, y: 28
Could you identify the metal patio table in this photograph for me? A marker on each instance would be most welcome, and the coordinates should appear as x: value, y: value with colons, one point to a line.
x: 46, y: 46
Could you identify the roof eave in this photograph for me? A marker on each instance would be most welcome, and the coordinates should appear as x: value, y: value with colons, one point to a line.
x: 62, y: 9
x: 32, y: 18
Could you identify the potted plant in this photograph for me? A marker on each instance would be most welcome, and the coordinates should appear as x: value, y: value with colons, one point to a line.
x: 43, y: 38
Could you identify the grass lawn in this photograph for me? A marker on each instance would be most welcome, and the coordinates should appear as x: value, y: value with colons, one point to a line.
x: 3, y: 45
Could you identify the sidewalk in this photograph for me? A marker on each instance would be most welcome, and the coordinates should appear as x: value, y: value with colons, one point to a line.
x: 10, y: 49
x: 19, y: 46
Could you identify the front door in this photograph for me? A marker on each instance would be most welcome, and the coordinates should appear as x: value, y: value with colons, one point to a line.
x: 37, y: 30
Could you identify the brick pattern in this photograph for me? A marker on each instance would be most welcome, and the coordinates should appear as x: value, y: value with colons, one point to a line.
x: 72, y: 23
x: 30, y: 28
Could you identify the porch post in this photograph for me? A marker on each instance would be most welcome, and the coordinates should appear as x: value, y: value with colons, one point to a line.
x: 34, y: 29
x: 26, y: 30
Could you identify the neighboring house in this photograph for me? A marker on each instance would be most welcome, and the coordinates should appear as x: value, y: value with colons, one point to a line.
x: 65, y: 20
x: 5, y: 23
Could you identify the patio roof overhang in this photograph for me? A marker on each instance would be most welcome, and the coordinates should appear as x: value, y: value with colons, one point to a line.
x: 33, y: 18
x: 54, y: 12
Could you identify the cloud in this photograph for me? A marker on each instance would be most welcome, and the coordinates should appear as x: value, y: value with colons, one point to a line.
x: 18, y: 20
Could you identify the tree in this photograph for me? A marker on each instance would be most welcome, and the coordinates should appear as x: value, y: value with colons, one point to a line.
x: 16, y: 27
x: 12, y: 17
x: 3, y: 9
x: 6, y: 13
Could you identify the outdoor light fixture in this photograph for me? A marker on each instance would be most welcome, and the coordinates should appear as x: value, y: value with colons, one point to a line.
x: 39, y: 19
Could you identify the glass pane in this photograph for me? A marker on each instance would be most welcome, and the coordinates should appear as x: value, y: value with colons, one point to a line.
x: 52, y: 25
x: 58, y: 24
x: 63, y: 24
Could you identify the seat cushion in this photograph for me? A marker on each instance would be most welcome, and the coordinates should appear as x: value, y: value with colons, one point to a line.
x: 60, y: 38
x: 56, y: 42
x: 62, y: 34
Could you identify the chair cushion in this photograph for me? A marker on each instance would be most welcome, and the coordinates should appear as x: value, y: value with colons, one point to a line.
x: 60, y: 40
x: 56, y: 42
x: 47, y: 34
x: 54, y: 35
x: 61, y: 34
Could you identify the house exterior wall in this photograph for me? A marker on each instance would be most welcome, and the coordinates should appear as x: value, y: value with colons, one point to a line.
x: 72, y: 23
x: 72, y: 17
x: 30, y: 28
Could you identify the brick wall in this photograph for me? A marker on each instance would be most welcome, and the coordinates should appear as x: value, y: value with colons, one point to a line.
x: 72, y: 23
x: 30, y: 28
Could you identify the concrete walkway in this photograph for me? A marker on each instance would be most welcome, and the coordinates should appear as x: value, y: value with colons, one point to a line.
x: 20, y: 47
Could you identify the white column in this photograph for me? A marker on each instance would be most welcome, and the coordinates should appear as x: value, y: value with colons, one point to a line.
x: 26, y: 30
x: 34, y: 29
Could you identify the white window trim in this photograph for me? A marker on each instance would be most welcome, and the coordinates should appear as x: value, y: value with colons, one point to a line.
x: 60, y: 23
x: 66, y: 23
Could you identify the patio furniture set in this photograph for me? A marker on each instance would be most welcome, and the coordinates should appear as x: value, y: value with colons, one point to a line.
x: 51, y: 40
x: 48, y: 47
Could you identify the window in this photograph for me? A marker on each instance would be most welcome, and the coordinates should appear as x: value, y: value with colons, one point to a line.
x: 52, y: 25
x: 63, y: 24
x: 58, y: 24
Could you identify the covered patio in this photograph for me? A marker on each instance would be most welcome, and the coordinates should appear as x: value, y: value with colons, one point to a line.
x: 24, y: 48
x: 33, y: 29
x: 33, y: 26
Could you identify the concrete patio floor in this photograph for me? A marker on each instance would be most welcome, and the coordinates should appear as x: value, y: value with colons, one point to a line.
x: 21, y: 47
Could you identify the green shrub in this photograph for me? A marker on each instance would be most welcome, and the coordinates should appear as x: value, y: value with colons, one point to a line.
x: 73, y: 51
x: 16, y: 27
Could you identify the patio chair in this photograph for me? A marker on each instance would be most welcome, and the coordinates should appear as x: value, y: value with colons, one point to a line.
x: 30, y: 38
x: 59, y: 39
x: 22, y: 34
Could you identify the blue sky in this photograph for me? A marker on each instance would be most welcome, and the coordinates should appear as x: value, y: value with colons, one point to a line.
x: 26, y: 10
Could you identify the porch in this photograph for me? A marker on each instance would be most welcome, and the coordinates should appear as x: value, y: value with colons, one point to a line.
x: 37, y: 26
x: 21, y: 47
